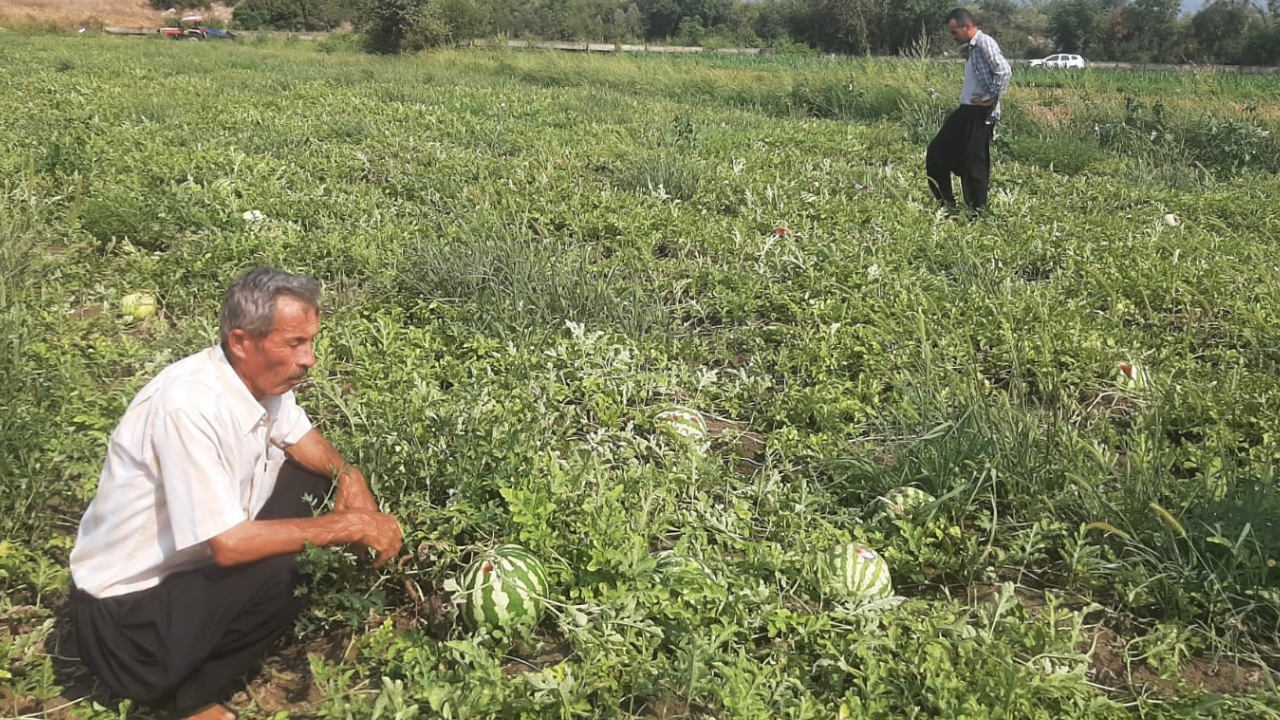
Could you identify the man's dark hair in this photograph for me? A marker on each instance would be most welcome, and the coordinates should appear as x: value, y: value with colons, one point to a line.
x: 962, y: 17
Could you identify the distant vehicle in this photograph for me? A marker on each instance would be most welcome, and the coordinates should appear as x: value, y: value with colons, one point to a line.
x: 191, y: 27
x: 1060, y: 60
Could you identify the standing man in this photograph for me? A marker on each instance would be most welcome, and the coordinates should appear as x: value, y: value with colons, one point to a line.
x: 963, y: 145
x: 184, y: 570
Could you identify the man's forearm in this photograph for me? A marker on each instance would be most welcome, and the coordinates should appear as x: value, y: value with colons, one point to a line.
x: 254, y: 540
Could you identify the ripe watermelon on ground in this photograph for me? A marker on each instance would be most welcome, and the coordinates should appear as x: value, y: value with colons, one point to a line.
x: 138, y: 305
x: 681, y: 423
x: 856, y: 572
x: 503, y: 588
x: 1132, y: 376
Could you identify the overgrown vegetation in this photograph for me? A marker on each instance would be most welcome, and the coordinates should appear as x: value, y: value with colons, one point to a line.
x: 295, y: 15
x: 526, y: 256
x: 1222, y: 31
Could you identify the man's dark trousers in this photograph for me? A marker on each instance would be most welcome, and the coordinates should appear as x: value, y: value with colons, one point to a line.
x: 189, y: 639
x: 962, y: 147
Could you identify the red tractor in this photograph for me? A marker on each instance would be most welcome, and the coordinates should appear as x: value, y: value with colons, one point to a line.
x: 191, y: 27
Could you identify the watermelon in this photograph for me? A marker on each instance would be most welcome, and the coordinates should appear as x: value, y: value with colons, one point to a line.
x: 903, y: 501
x: 856, y: 572
x: 139, y: 305
x: 503, y: 588
x: 1131, y: 376
x: 681, y: 423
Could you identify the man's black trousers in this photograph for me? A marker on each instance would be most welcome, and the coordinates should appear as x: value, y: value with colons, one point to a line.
x: 189, y: 639
x: 962, y: 147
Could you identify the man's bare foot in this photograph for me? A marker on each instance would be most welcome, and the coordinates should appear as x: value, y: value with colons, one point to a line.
x: 216, y: 711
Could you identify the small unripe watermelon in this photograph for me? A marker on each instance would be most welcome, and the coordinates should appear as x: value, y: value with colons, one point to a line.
x: 681, y: 423
x: 903, y: 501
x: 504, y: 588
x: 856, y: 572
x: 139, y: 305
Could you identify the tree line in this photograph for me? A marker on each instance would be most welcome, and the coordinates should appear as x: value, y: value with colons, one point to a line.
x: 1222, y: 31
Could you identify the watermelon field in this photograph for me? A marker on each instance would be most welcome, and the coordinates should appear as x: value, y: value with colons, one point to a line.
x: 527, y: 257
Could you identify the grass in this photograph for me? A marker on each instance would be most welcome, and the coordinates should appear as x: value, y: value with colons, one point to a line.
x: 527, y: 255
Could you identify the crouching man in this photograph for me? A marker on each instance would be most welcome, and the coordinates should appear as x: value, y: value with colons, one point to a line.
x: 184, y: 569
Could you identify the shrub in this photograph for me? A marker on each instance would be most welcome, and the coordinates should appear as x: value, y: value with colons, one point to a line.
x: 845, y: 100
x: 664, y: 173
x: 505, y: 280
x: 1066, y: 155
x: 340, y: 42
x: 1228, y: 145
x: 398, y: 26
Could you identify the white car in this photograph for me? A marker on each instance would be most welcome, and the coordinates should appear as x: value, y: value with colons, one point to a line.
x: 1059, y: 61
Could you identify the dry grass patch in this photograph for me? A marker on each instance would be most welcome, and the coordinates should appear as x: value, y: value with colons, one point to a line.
x: 69, y: 14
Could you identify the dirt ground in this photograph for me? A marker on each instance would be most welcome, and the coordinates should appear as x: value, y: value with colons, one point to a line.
x: 72, y: 14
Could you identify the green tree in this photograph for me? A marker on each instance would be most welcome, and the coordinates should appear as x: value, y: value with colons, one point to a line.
x: 663, y: 18
x: 397, y: 26
x: 1151, y: 28
x: 770, y: 20
x: 691, y: 31
x: 1022, y: 28
x: 628, y: 24
x: 998, y: 17
x: 511, y: 17
x: 1079, y: 26
x: 553, y: 20
x: 297, y: 15
x: 1220, y: 29
x: 840, y: 25
x: 1262, y: 47
x: 465, y: 19
x: 905, y: 21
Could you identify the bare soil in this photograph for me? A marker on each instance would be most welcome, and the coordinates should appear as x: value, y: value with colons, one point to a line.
x: 92, y: 14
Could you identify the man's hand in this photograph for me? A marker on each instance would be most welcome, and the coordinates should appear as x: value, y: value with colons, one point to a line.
x: 354, y: 509
x: 254, y: 540
x: 983, y: 101
x: 353, y: 493
x: 314, y: 453
x: 380, y: 532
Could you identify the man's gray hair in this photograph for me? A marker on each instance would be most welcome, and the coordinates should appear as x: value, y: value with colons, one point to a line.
x: 250, y: 302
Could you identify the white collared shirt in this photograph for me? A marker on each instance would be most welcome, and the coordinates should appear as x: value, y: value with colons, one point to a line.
x: 195, y: 455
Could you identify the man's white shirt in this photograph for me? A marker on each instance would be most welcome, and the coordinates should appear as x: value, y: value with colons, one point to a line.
x: 195, y: 455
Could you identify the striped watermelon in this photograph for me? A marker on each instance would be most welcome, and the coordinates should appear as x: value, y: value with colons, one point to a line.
x: 681, y: 423
x: 903, y: 501
x: 856, y: 572
x: 504, y: 587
